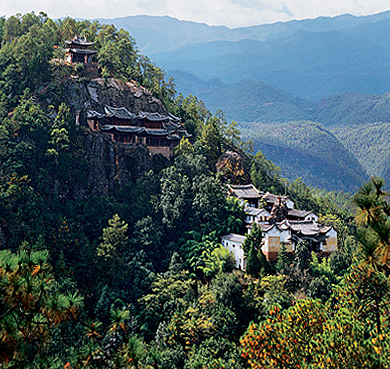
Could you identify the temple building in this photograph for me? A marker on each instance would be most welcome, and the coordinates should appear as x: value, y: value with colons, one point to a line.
x: 77, y: 50
x: 160, y: 133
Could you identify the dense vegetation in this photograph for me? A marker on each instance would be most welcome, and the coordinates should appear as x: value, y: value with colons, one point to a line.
x: 370, y: 144
x: 307, y: 149
x: 138, y: 278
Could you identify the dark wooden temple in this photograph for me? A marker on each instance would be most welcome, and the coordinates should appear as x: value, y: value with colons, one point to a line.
x: 160, y: 133
x: 78, y: 50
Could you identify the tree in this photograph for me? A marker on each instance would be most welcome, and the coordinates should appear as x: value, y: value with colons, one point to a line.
x: 117, y: 53
x: 302, y: 255
x: 283, y: 258
x: 265, y: 175
x: 211, y: 138
x: 373, y: 217
x: 286, y: 338
x: 256, y: 263
x: 114, y: 238
x: 31, y: 306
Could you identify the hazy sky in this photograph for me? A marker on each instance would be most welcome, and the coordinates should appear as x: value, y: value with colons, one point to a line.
x: 232, y: 13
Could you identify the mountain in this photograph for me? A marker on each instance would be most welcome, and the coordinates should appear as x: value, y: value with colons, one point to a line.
x: 331, y: 70
x: 312, y: 58
x: 245, y: 100
x: 256, y: 101
x: 369, y: 143
x: 307, y: 150
x: 149, y: 31
x: 353, y: 108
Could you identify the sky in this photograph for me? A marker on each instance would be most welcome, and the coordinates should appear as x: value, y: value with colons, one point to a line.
x: 231, y: 13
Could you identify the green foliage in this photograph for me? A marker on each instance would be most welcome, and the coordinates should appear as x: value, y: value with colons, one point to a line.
x: 211, y: 138
x: 369, y: 143
x: 117, y: 52
x: 168, y: 294
x: 253, y: 240
x: 193, y: 112
x: 265, y: 175
x: 114, y: 239
x: 158, y: 288
x: 374, y: 232
x: 255, y: 263
x: 27, y: 281
x: 302, y: 255
x: 283, y: 259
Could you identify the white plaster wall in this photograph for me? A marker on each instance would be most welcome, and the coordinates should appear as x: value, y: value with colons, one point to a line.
x: 236, y: 249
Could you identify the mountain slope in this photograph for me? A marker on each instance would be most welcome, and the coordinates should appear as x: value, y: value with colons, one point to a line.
x: 370, y: 144
x: 353, y: 108
x: 311, y: 65
x: 307, y: 150
x: 252, y: 101
x: 245, y: 100
x: 149, y: 31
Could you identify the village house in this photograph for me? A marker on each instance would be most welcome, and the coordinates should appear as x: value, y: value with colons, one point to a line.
x: 280, y: 224
x: 247, y: 194
x: 233, y: 242
x: 255, y: 215
x: 158, y: 132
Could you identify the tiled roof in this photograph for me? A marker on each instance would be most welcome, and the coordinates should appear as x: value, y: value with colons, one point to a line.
x: 94, y: 114
x: 273, y: 199
x: 157, y: 131
x: 246, y: 191
x: 79, y: 40
x: 299, y: 213
x: 81, y: 51
x: 152, y: 117
x: 255, y: 211
x: 123, y: 129
x: 120, y: 113
x: 308, y: 228
x: 234, y: 237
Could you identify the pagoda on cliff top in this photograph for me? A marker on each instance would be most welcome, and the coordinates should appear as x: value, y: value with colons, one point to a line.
x: 77, y: 50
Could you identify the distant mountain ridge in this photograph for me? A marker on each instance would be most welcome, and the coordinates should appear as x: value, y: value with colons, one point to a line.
x: 311, y: 58
x: 252, y: 101
x: 177, y: 33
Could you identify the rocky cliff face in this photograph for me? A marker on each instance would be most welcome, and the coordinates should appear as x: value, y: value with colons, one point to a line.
x: 112, y: 165
x: 83, y: 94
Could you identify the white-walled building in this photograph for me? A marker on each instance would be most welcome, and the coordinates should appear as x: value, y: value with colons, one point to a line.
x: 288, y: 226
x: 256, y: 215
x: 233, y: 242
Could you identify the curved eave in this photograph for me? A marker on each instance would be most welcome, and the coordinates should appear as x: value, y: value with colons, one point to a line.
x: 73, y: 42
x: 123, y: 129
x: 82, y: 51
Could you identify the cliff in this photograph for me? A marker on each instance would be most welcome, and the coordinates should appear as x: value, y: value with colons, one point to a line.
x: 112, y: 165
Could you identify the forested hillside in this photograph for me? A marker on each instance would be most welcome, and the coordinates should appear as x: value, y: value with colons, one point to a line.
x: 369, y: 143
x: 134, y: 275
x: 308, y: 150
